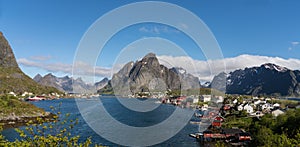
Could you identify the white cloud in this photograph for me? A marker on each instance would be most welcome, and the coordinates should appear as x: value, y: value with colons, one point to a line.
x: 199, y: 68
x: 295, y: 43
x: 202, y: 69
x: 157, y: 29
x: 66, y: 68
x: 41, y: 58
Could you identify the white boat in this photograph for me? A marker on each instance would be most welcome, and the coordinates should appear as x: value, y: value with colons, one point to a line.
x: 196, y: 135
x: 35, y: 98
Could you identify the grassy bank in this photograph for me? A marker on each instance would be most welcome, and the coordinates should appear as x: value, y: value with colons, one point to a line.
x: 14, y: 112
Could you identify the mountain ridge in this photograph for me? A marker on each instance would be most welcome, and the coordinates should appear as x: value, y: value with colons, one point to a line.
x: 65, y: 83
x: 148, y: 75
x: 267, y: 79
x: 12, y: 79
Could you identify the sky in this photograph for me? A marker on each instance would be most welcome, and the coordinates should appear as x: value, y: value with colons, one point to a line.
x: 46, y: 35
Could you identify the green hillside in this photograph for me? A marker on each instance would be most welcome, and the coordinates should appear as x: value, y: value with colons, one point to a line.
x: 12, y: 79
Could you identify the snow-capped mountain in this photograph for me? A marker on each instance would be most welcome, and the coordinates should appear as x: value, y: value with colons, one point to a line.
x: 268, y: 79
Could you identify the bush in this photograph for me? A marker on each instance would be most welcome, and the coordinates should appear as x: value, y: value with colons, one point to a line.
x: 53, y: 133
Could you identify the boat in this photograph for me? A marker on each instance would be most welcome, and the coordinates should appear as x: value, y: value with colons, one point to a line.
x: 195, y: 122
x: 36, y: 98
x: 196, y: 135
x: 204, y: 107
x: 198, y: 115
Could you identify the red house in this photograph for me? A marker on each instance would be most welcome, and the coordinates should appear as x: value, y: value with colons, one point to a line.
x: 216, y: 123
x: 243, y: 136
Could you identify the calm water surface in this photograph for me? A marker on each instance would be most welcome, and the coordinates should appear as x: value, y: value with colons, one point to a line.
x: 121, y: 114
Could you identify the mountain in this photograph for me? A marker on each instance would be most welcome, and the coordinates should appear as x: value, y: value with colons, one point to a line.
x: 148, y: 75
x: 268, y: 79
x: 101, y: 83
x: 37, y: 78
x: 11, y: 76
x: 66, y: 83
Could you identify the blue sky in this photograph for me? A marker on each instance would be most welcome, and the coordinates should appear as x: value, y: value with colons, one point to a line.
x: 44, y: 35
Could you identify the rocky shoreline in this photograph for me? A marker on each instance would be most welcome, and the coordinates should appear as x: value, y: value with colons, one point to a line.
x: 14, y: 121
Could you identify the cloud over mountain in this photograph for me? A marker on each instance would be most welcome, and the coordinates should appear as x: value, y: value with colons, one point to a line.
x: 65, y: 68
x: 202, y: 68
x: 199, y: 68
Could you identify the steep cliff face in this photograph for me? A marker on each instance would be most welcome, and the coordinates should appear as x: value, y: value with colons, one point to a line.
x: 268, y: 79
x: 12, y: 78
x: 101, y: 83
x: 7, y: 56
x: 147, y: 75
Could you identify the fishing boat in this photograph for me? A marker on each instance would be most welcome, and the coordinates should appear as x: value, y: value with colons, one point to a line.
x: 36, y: 98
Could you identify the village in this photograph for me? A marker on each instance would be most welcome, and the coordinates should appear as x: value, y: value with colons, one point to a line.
x: 30, y: 96
x: 215, y: 115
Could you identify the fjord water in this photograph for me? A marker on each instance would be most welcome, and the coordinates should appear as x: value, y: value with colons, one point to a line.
x: 120, y: 113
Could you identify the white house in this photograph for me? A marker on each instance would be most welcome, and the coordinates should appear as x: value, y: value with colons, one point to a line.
x: 276, y: 105
x: 266, y: 106
x: 248, y: 108
x: 268, y: 99
x: 234, y: 101
x: 277, y: 112
x: 206, y: 98
x: 257, y: 102
x: 241, y: 107
x: 27, y: 93
x: 12, y: 93
x: 258, y: 114
x: 220, y: 99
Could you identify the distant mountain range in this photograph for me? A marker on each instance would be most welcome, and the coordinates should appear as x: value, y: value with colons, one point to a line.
x: 148, y: 75
x: 12, y: 79
x: 66, y: 83
x: 268, y: 79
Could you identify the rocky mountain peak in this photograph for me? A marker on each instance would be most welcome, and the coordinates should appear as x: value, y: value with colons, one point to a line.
x: 150, y: 55
x: 272, y: 66
x: 49, y: 75
x: 6, y: 54
x: 148, y: 75
x: 67, y: 83
x: 150, y: 60
x: 37, y: 78
x: 11, y: 76
x: 267, y: 79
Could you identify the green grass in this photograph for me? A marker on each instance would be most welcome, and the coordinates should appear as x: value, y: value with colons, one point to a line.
x: 11, y: 106
x: 13, y: 79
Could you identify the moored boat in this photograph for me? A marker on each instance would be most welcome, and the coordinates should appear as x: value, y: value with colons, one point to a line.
x: 35, y: 98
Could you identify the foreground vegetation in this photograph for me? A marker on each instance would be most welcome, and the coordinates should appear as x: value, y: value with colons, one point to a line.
x: 14, y: 80
x: 11, y: 107
x: 280, y: 131
x: 55, y: 133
